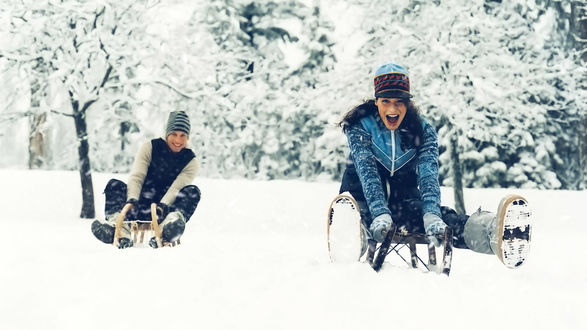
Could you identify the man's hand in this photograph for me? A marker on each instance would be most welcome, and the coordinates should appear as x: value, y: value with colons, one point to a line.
x: 133, y: 202
x: 162, y: 210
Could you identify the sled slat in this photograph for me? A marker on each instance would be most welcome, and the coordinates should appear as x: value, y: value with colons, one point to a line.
x: 119, y: 221
x: 155, y: 224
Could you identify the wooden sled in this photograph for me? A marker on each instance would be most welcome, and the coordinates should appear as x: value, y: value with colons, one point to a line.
x: 400, y: 241
x: 141, y: 231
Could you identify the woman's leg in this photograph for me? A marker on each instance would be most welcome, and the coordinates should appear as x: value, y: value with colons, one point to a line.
x: 456, y: 222
x: 407, y: 214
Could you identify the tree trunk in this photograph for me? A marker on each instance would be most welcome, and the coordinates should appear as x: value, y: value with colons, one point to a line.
x: 457, y: 175
x: 37, y: 136
x: 37, y: 141
x: 582, y: 151
x: 578, y: 30
x: 578, y: 27
x: 88, y: 209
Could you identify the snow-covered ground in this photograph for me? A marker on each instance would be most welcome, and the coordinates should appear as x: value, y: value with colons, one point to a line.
x: 254, y: 257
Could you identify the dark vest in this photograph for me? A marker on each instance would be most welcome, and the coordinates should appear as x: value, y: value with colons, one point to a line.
x: 164, y: 168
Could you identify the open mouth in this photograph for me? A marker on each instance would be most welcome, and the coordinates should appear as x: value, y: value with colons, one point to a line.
x: 392, y: 119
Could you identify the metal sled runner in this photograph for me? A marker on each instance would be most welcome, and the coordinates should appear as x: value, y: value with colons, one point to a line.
x: 398, y: 241
x: 141, y: 231
x: 347, y: 233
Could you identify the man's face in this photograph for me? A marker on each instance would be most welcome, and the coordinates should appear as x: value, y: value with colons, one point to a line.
x: 177, y: 140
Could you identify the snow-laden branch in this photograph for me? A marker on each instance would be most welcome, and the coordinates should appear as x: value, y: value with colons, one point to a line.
x: 6, y: 117
x: 62, y: 113
x: 177, y: 90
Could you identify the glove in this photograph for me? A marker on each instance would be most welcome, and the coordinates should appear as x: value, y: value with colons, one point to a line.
x: 380, y: 226
x: 434, y: 226
x: 134, y: 202
x: 162, y: 211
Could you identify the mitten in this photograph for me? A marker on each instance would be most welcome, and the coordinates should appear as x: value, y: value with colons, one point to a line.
x: 134, y: 202
x: 162, y: 211
x: 434, y: 226
x: 380, y: 226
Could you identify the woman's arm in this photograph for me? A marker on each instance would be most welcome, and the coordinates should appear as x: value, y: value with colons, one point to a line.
x: 366, y: 166
x: 428, y: 171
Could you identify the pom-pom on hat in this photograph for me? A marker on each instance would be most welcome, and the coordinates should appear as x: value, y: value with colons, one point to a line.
x: 178, y: 121
x: 392, y: 81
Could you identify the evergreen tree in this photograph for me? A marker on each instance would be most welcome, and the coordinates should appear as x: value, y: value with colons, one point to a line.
x: 87, y: 51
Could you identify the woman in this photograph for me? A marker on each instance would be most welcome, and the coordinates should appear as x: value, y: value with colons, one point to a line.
x: 162, y: 173
x: 392, y: 170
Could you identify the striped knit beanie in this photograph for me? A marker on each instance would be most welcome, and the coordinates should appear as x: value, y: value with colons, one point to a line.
x: 178, y: 121
x: 391, y: 81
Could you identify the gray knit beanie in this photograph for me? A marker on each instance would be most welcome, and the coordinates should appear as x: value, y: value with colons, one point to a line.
x: 178, y: 121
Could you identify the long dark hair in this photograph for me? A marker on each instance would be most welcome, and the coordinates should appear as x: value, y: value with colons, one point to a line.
x: 410, y: 128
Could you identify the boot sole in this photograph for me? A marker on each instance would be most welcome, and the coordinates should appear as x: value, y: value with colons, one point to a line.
x: 514, y: 230
x: 345, y: 233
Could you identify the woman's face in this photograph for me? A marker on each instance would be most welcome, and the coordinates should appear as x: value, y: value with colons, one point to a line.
x: 177, y: 141
x: 391, y: 111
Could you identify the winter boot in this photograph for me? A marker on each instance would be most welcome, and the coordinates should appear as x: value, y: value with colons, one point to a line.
x: 104, y: 231
x: 172, y: 227
x: 506, y: 234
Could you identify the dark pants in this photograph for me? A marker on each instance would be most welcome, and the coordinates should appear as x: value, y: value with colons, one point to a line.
x: 186, y: 201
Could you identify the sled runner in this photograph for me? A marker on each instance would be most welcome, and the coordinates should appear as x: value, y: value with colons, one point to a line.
x: 399, y: 241
x: 142, y: 231
x: 348, y: 241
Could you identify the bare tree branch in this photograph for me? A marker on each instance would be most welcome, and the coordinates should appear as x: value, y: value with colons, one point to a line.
x: 175, y: 89
x: 14, y: 116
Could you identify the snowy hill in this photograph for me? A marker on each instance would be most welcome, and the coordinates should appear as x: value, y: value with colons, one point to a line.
x: 254, y: 257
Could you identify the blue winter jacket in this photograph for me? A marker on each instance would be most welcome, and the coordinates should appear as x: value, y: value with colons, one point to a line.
x: 373, y: 146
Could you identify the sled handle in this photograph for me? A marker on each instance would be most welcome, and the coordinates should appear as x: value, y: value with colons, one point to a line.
x: 119, y: 221
x: 155, y: 224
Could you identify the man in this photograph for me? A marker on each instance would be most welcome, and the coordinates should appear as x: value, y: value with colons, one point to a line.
x: 162, y: 173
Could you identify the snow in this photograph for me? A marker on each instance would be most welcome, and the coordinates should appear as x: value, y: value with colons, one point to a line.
x: 254, y: 257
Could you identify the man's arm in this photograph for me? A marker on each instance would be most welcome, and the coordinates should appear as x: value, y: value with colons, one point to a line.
x: 185, y: 177
x: 139, y: 171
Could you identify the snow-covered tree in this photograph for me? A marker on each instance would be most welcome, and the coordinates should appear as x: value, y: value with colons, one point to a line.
x: 483, y: 68
x: 270, y: 53
x: 264, y: 83
x: 89, y: 52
